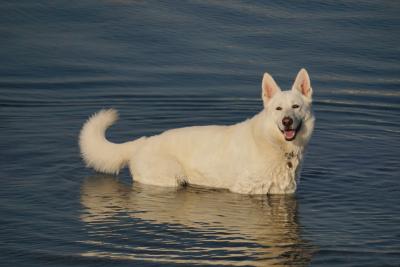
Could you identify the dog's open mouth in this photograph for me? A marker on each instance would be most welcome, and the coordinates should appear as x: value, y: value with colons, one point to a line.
x: 289, y: 133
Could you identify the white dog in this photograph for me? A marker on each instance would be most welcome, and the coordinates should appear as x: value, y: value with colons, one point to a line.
x: 261, y: 155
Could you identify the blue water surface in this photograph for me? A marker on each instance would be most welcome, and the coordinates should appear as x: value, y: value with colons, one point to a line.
x: 168, y: 64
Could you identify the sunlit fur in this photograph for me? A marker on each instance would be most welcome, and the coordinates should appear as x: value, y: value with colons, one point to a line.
x: 250, y: 157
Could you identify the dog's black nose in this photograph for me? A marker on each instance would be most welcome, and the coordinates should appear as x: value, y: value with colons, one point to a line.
x: 287, y: 121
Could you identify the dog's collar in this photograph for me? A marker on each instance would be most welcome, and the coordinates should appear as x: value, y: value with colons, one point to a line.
x: 289, y: 156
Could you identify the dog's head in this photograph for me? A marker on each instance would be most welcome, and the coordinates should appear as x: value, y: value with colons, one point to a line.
x: 289, y: 112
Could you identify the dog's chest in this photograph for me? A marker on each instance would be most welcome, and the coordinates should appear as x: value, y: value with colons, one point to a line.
x: 285, y: 174
x: 275, y: 175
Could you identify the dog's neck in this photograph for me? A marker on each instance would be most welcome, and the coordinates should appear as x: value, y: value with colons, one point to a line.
x: 291, y: 153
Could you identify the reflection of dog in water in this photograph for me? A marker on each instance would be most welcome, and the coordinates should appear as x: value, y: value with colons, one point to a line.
x: 267, y: 227
x: 261, y: 155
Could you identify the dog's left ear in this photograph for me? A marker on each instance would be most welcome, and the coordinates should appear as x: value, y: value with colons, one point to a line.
x: 303, y: 84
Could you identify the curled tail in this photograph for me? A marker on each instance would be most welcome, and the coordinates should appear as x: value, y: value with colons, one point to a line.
x: 97, y: 151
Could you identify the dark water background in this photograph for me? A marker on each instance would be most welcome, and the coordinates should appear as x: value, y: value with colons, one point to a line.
x: 166, y: 64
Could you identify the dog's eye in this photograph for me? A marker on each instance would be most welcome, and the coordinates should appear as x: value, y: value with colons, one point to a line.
x: 295, y: 106
x: 278, y: 108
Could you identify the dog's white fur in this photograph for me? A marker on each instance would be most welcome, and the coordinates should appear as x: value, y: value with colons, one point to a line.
x: 251, y: 157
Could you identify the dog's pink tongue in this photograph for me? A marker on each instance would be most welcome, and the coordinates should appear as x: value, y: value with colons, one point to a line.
x: 289, y: 134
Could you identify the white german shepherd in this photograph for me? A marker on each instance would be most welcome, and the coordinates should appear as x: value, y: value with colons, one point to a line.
x: 261, y: 155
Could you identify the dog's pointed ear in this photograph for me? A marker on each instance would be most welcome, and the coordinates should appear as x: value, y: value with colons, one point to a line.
x: 303, y: 84
x: 269, y: 88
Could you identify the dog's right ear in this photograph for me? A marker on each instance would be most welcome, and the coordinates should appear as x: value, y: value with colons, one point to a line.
x: 269, y: 88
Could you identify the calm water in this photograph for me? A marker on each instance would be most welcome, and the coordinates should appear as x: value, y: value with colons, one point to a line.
x: 172, y: 64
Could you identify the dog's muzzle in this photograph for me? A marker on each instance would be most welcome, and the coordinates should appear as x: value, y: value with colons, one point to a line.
x: 288, y: 132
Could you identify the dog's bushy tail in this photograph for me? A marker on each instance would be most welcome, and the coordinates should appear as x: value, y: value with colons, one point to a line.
x: 97, y: 151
